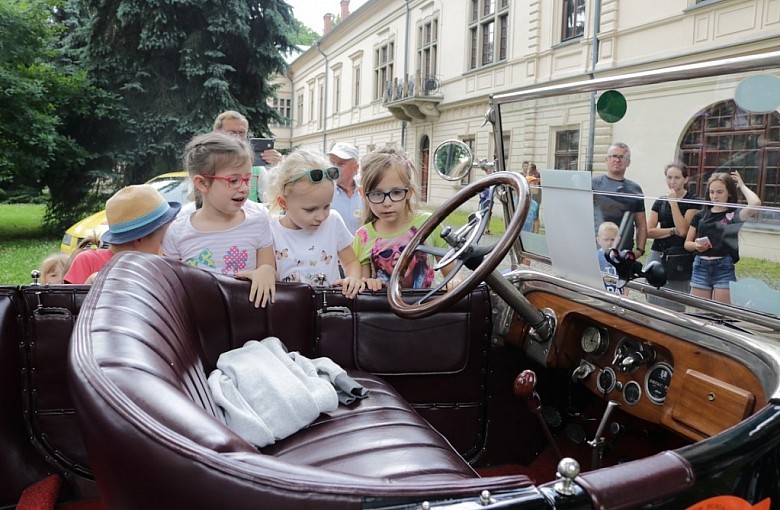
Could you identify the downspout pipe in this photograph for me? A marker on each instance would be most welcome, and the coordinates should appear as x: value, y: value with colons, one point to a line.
x: 324, y: 103
x: 594, y: 62
x: 406, y: 66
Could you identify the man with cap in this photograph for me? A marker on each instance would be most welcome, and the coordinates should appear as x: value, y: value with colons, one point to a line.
x: 137, y: 217
x: 346, y: 199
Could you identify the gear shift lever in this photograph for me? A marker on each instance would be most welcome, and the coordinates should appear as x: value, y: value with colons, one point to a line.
x: 525, y: 389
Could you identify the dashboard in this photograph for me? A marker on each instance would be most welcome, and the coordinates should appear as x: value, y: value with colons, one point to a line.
x: 654, y: 375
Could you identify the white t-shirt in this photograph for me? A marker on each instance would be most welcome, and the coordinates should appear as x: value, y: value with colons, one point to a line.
x: 302, y: 255
x: 227, y: 251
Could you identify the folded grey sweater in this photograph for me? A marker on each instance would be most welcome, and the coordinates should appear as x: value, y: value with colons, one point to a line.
x: 266, y: 393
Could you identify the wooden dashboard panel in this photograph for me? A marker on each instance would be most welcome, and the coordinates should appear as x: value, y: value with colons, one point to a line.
x: 698, y: 373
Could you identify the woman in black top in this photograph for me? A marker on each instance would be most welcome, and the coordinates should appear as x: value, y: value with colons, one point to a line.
x: 667, y: 225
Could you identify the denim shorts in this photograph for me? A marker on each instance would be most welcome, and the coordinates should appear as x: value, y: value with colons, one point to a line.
x: 712, y: 273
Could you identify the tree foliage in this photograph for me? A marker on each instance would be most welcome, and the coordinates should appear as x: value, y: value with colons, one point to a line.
x: 176, y: 64
x: 303, y: 35
x: 51, y: 117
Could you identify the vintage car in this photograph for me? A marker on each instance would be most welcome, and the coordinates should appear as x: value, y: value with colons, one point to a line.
x: 530, y: 385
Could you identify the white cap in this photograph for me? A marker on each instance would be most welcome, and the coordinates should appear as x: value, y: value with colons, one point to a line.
x: 344, y: 151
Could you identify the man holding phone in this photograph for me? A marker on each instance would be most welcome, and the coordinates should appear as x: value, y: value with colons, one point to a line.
x: 235, y: 124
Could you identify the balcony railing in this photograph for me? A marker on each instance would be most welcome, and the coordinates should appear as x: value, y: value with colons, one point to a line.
x: 414, y: 97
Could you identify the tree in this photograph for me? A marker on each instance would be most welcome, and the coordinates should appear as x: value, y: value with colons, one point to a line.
x: 50, y: 116
x: 303, y: 35
x: 177, y: 64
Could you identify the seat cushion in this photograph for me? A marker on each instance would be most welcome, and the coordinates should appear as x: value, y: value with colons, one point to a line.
x: 379, y: 436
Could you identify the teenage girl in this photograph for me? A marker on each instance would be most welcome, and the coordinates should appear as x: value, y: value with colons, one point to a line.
x: 227, y: 234
x: 391, y: 218
x: 713, y: 236
x: 310, y: 239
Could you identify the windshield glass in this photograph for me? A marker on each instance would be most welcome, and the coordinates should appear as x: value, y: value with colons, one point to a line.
x: 688, y: 168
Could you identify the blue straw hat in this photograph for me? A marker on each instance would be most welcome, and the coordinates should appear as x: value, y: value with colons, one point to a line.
x: 135, y: 212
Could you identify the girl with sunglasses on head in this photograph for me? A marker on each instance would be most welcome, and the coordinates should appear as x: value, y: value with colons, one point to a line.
x: 391, y: 218
x: 310, y: 239
x: 228, y: 234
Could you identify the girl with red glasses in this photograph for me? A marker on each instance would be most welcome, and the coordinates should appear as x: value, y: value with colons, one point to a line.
x: 228, y: 234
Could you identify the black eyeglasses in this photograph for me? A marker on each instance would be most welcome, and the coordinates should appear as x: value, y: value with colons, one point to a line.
x: 395, y: 195
x: 317, y: 174
x: 618, y: 157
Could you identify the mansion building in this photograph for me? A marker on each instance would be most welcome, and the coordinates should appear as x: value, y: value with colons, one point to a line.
x: 415, y: 73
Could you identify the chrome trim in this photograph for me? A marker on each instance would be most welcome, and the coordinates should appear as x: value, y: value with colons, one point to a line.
x: 724, y: 66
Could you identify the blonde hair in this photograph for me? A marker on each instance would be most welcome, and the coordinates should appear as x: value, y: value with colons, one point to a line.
x: 608, y: 227
x: 50, y: 263
x: 226, y: 115
x: 207, y: 153
x: 373, y: 167
x: 291, y: 168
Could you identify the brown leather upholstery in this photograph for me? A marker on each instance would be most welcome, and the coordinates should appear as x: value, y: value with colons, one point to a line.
x: 147, y: 337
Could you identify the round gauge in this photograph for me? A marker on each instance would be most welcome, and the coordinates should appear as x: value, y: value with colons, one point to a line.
x: 594, y: 340
x: 632, y: 393
x: 657, y: 382
x: 605, y: 382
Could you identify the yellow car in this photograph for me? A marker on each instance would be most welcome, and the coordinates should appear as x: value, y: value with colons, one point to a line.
x: 174, y: 186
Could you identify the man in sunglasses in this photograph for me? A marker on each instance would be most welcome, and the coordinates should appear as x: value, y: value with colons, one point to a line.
x: 346, y: 199
x: 610, y: 206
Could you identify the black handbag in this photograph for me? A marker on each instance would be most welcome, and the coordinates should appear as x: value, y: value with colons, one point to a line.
x: 678, y: 263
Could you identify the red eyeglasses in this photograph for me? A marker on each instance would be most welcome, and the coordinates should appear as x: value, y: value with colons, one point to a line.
x: 234, y: 181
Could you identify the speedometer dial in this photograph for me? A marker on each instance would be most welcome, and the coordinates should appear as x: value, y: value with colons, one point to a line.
x: 657, y: 382
x: 594, y: 341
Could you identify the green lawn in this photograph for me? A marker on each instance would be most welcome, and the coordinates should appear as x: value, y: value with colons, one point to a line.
x: 24, y: 245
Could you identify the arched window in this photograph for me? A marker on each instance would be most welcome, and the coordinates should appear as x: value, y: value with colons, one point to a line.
x: 723, y: 138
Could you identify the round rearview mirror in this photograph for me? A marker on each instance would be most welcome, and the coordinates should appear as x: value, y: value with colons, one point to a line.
x: 453, y: 160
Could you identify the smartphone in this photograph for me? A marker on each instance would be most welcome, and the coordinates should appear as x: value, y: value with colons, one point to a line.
x: 703, y: 240
x: 259, y: 145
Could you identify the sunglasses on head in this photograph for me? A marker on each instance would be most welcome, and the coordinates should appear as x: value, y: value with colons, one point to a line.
x: 318, y: 174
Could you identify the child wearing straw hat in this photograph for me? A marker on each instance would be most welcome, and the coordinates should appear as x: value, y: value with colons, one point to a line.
x: 137, y: 217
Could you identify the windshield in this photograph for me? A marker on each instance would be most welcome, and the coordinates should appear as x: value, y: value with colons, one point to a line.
x: 174, y: 189
x: 661, y: 156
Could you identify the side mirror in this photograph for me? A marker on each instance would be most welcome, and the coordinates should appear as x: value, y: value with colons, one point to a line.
x: 453, y: 160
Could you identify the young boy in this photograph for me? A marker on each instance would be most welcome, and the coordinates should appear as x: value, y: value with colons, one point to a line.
x: 606, y: 239
x: 138, y: 217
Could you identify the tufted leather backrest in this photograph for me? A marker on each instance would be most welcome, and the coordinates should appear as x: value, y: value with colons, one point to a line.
x: 149, y: 333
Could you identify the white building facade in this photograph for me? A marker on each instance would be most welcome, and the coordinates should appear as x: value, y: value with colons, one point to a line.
x: 417, y: 72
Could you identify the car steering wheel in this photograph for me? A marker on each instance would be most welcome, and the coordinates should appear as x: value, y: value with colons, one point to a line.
x: 464, y: 247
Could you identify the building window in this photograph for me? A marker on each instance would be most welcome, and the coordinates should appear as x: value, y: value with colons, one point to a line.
x: 723, y: 138
x: 299, y: 106
x: 336, y: 93
x: 311, y: 103
x: 356, y: 89
x: 283, y: 107
x: 383, y: 69
x: 573, y: 19
x: 567, y: 149
x: 320, y: 104
x: 488, y: 32
x: 427, y: 55
x: 470, y: 140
